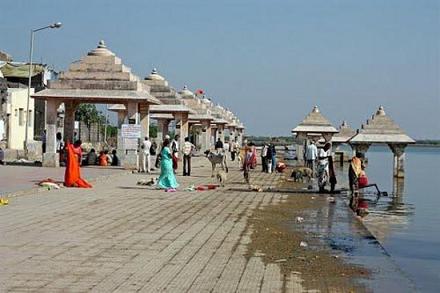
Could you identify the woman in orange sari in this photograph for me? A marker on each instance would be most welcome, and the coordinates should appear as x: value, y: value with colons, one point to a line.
x: 72, y: 176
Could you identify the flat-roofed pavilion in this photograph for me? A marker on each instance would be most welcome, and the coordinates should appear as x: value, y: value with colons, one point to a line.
x: 99, y: 77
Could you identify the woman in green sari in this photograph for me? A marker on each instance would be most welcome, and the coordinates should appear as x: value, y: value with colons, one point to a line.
x: 167, y: 179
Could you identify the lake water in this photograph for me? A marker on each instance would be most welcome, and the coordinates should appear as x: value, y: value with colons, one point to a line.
x: 408, y: 225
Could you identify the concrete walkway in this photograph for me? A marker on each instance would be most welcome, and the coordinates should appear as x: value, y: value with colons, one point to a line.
x: 119, y: 237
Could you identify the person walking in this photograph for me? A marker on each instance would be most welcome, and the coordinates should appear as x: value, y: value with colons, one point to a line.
x: 234, y: 149
x: 323, y: 166
x: 146, y: 156
x: 167, y: 179
x: 175, y: 152
x: 273, y: 156
x: 219, y: 145
x: 311, y: 156
x: 188, y: 148
x: 264, y: 165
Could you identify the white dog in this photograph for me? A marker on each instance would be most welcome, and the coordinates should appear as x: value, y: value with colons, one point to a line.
x: 221, y: 177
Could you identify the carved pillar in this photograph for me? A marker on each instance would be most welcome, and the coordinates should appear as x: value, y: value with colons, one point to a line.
x: 145, y: 120
x: 69, y: 120
x: 51, y: 157
x: 121, y: 117
x: 399, y: 159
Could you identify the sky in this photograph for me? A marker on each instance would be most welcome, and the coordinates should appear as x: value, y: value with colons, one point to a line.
x: 269, y: 62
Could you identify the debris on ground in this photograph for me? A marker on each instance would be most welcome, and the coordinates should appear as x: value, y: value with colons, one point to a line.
x: 331, y: 199
x: 299, y: 219
x: 146, y: 182
x: 4, y: 201
x: 190, y: 188
x: 303, y: 244
x: 49, y: 183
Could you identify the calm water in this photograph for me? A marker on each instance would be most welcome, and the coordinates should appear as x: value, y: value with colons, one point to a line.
x: 408, y: 226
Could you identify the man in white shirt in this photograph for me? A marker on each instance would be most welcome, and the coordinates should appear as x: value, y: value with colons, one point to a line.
x: 188, y: 148
x: 323, y: 170
x: 311, y: 156
x: 146, y: 164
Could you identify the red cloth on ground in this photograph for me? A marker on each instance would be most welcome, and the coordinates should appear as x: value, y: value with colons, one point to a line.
x: 72, y: 176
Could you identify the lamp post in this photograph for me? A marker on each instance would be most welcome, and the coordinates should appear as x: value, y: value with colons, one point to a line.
x: 31, y: 51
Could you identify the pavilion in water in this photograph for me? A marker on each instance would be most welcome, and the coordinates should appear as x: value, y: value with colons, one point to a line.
x: 381, y: 129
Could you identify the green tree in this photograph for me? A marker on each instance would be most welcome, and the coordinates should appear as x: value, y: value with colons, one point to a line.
x: 89, y: 114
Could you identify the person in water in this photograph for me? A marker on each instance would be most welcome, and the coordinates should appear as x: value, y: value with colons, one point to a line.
x: 167, y: 179
x: 72, y: 176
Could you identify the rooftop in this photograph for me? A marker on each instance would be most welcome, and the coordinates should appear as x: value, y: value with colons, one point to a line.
x: 345, y: 133
x: 98, y: 77
x: 381, y: 129
x: 315, y: 122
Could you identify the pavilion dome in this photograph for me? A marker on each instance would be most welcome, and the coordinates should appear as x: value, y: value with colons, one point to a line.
x: 154, y: 75
x: 186, y: 93
x: 101, y: 50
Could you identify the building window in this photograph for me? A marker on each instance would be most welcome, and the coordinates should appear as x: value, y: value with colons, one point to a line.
x: 20, y: 116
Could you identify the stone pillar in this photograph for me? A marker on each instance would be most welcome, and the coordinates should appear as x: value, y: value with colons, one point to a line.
x: 131, y: 158
x: 122, y: 114
x: 220, y: 133
x: 69, y: 120
x: 184, y: 127
x: 51, y: 158
x: 206, y: 135
x: 162, y: 129
x: 240, y: 137
x: 399, y: 160
x: 300, y: 151
x: 145, y: 120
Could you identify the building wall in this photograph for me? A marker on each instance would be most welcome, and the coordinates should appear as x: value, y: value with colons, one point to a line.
x: 16, y: 118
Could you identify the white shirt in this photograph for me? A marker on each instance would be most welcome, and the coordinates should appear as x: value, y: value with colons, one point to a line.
x: 226, y: 146
x: 147, y: 146
x: 312, y: 152
x: 323, y: 153
x: 187, y: 148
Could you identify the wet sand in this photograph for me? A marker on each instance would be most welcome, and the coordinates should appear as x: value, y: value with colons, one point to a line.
x: 277, y: 238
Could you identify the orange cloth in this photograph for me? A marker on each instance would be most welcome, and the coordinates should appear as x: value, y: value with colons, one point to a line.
x: 103, y: 160
x: 72, y: 177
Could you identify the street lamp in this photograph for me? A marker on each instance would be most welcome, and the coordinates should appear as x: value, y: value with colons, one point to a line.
x: 31, y: 51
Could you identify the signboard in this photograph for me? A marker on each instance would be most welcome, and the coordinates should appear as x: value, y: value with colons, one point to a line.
x: 130, y: 143
x: 131, y: 131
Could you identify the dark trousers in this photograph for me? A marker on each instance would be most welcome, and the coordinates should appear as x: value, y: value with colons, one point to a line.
x: 264, y: 164
x: 233, y: 156
x: 186, y: 165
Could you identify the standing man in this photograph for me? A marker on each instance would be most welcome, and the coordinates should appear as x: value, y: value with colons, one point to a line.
x: 146, y: 164
x: 188, y: 148
x: 226, y: 147
x: 323, y: 166
x: 219, y: 145
x: 264, y: 165
x: 233, y: 150
x: 311, y: 156
x: 43, y: 141
x: 273, y: 154
x: 175, y: 151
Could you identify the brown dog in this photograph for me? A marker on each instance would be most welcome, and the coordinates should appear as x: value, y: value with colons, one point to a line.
x: 299, y: 173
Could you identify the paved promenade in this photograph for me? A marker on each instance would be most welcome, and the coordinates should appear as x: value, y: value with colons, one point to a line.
x: 119, y: 237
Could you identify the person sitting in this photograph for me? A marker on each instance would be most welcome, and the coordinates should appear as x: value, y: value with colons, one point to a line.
x: 109, y: 158
x: 102, y: 159
x: 72, y: 175
x: 92, y: 158
x: 115, y: 159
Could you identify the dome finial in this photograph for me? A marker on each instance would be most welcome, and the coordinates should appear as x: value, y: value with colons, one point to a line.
x: 380, y: 111
x: 101, y: 44
x: 315, y: 109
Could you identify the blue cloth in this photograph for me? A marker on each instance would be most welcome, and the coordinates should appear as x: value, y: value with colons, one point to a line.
x: 167, y: 178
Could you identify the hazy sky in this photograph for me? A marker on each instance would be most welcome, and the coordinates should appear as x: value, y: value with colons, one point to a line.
x: 268, y: 61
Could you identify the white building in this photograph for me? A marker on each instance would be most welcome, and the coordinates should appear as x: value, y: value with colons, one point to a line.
x: 14, y: 123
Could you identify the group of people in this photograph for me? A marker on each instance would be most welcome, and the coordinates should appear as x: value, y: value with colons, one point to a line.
x: 232, y: 147
x: 103, y: 159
